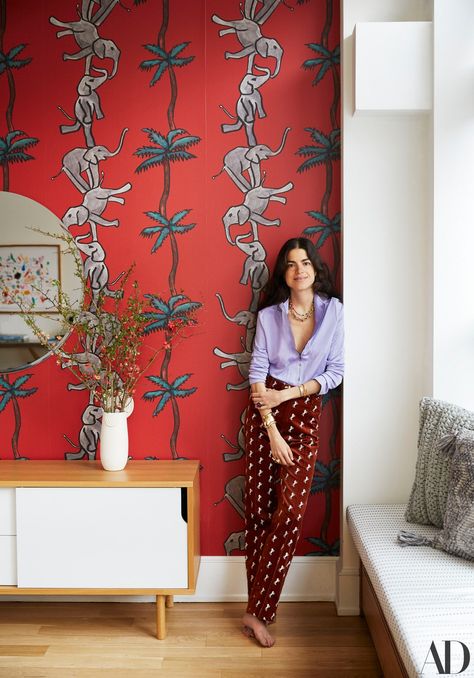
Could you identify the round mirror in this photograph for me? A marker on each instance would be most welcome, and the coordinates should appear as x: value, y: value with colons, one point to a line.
x: 29, y: 262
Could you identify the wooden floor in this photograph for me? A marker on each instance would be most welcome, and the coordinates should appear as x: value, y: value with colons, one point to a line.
x: 116, y: 640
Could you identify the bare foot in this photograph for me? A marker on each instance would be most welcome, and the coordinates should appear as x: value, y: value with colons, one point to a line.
x: 247, y: 631
x: 253, y: 627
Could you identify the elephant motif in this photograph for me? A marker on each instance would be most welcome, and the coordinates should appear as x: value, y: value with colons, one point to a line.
x: 96, y: 269
x: 87, y: 105
x: 234, y: 542
x: 88, y: 364
x: 249, y: 35
x: 244, y: 159
x: 93, y: 205
x: 89, y: 434
x: 81, y: 160
x: 239, y: 360
x: 105, y: 7
x: 245, y: 318
x: 255, y: 268
x: 249, y: 105
x: 239, y: 448
x: 86, y: 35
x: 261, y: 14
x: 255, y: 203
x: 107, y: 327
x: 243, y: 166
x: 234, y: 492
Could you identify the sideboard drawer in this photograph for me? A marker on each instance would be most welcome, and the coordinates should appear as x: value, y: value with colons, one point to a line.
x: 8, y: 576
x: 101, y: 538
x: 7, y: 511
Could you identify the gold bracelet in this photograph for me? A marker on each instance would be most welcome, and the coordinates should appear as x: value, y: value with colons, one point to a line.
x: 304, y: 390
x: 268, y: 420
x: 301, y: 388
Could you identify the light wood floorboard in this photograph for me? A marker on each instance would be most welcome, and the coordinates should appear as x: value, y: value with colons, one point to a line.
x: 117, y: 640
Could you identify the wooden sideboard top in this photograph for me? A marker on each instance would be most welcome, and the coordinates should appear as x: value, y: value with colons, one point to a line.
x: 179, y: 473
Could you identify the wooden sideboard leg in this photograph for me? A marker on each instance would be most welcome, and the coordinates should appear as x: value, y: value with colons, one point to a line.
x: 169, y: 601
x: 160, y: 617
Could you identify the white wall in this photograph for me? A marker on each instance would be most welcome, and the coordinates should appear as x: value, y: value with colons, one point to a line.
x: 453, y: 214
x: 386, y: 195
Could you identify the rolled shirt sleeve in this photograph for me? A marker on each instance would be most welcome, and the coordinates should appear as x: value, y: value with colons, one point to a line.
x: 259, y: 362
x: 334, y: 372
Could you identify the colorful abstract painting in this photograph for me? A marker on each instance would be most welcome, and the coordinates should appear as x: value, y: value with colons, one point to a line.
x: 27, y: 273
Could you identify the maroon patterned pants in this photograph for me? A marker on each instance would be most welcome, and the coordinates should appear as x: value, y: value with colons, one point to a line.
x: 276, y: 496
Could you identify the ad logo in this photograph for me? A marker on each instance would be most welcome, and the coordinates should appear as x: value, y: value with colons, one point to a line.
x: 449, y: 664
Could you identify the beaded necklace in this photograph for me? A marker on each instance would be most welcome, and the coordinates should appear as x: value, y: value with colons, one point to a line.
x: 301, y: 316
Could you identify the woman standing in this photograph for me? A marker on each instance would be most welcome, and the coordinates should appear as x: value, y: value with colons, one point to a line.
x: 297, y: 357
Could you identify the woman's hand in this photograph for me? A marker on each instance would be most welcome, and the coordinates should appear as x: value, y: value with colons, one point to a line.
x: 280, y: 450
x: 269, y: 398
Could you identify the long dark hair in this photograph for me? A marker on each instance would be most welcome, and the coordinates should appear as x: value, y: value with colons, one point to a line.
x: 277, y: 290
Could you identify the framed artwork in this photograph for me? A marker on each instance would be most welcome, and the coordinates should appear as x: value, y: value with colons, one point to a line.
x: 27, y: 273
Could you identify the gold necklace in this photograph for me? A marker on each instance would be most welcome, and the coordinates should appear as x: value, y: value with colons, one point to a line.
x: 301, y: 316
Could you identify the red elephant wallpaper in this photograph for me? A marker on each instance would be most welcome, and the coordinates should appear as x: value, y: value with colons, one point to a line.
x: 192, y: 138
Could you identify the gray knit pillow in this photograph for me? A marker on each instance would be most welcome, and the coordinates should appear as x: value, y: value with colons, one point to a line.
x: 457, y: 535
x: 429, y: 494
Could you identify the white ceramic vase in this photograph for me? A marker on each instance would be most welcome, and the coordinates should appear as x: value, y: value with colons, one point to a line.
x: 114, y: 439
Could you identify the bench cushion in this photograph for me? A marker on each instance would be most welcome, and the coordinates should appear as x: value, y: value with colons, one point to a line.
x: 426, y: 595
x: 429, y: 494
x: 457, y: 535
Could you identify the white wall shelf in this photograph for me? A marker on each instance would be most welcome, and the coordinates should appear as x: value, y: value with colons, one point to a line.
x: 393, y: 66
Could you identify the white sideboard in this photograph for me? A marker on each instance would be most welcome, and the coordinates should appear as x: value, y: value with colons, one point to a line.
x: 7, y: 536
x: 71, y: 527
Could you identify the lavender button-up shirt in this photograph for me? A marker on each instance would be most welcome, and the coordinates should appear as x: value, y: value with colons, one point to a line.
x: 322, y: 358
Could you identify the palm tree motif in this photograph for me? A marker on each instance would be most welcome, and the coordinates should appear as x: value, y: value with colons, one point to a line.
x: 167, y: 391
x: 165, y: 227
x: 325, y: 479
x: 10, y: 392
x: 323, y: 548
x: 325, y: 61
x: 13, y: 149
x: 164, y: 60
x: 333, y: 397
x: 326, y: 228
x: 327, y: 23
x: 163, y: 151
x: 8, y: 62
x: 326, y: 399
x: 326, y: 150
x: 165, y: 313
x: 176, y: 310
x: 166, y: 150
